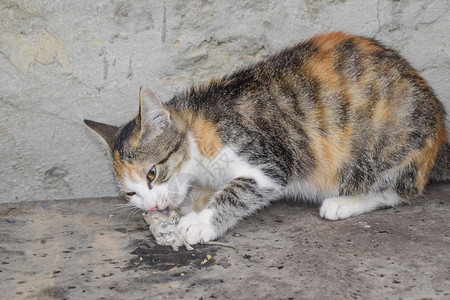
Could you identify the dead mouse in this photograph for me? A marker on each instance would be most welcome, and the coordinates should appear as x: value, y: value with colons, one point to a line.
x: 163, y: 226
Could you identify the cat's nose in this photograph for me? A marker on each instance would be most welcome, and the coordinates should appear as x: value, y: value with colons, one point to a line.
x: 154, y: 208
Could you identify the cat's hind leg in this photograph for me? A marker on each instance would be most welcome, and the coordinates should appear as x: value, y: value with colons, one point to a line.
x: 343, y: 207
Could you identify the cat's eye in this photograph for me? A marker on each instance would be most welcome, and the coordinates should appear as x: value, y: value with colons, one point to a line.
x: 151, y: 175
x: 131, y: 194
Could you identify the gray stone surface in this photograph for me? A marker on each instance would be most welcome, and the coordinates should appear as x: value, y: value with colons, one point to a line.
x: 62, y: 61
x: 85, y: 249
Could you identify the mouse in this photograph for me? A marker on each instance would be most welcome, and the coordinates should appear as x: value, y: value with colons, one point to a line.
x: 163, y: 226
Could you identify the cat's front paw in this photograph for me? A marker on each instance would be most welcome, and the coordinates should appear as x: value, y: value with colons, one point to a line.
x: 337, y: 208
x: 197, y: 228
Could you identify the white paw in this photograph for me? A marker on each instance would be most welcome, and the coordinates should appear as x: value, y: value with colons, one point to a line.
x: 338, y: 208
x: 197, y: 228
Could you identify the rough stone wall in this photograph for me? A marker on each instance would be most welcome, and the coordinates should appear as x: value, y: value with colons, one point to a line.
x: 62, y: 61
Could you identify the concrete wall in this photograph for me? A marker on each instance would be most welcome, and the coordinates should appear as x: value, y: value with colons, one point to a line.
x: 62, y: 61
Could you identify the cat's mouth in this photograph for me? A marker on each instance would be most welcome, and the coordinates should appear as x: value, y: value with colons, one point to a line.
x: 163, y: 204
x: 155, y: 208
x: 164, y: 212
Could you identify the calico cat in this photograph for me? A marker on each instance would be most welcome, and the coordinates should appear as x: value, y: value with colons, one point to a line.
x: 338, y: 120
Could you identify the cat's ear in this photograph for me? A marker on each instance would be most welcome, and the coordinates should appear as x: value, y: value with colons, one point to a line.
x: 107, y: 132
x: 153, y: 116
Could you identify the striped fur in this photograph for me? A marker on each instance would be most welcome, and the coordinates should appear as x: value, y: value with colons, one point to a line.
x: 338, y: 119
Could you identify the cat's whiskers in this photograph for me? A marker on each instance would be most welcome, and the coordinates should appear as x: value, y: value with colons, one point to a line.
x: 126, y: 207
x: 133, y: 212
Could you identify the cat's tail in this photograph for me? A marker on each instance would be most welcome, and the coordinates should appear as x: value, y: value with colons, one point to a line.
x: 441, y: 169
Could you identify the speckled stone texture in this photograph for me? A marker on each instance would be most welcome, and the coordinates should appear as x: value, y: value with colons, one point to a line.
x: 86, y: 249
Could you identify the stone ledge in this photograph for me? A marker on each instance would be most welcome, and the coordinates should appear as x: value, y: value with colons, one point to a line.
x: 85, y: 248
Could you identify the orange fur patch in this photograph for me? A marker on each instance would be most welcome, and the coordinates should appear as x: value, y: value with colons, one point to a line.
x: 321, y: 68
x: 365, y: 45
x: 134, y: 139
x: 426, y: 157
x: 125, y: 169
x: 321, y: 65
x: 204, y: 197
x: 332, y: 150
x: 208, y: 140
x: 330, y: 153
x: 381, y: 112
x: 328, y: 40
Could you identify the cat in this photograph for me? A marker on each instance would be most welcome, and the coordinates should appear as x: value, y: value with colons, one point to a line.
x: 338, y: 120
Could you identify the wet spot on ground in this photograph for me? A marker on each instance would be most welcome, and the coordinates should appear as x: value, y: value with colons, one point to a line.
x: 151, y: 256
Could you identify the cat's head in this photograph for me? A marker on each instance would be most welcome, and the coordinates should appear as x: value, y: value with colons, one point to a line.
x: 147, y: 152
